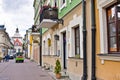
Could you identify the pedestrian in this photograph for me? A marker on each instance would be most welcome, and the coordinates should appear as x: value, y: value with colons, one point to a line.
x: 7, y: 57
x: 3, y: 58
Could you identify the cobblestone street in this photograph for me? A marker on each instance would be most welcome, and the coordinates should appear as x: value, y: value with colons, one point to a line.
x: 22, y: 71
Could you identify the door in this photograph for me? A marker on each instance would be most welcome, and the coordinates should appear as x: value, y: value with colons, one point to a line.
x: 64, y: 51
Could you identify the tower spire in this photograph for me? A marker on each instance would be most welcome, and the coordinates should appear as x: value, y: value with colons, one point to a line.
x: 17, y: 30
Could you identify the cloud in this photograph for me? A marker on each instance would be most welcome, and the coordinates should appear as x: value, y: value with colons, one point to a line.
x: 13, y: 5
x: 16, y: 14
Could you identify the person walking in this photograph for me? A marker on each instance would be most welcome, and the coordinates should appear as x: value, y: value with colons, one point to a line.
x: 3, y: 58
x: 7, y: 57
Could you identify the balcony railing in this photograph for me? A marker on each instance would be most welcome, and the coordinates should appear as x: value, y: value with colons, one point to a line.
x: 48, y: 12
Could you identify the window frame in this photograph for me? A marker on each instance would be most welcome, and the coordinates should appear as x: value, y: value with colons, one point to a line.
x: 116, y: 28
x: 62, y: 5
x: 77, y: 36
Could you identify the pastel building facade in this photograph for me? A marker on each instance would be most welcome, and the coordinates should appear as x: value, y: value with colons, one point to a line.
x: 5, y: 41
x: 108, y: 17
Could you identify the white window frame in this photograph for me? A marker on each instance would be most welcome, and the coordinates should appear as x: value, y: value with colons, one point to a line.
x: 61, y: 5
x: 102, y: 5
x: 70, y: 1
x: 77, y: 20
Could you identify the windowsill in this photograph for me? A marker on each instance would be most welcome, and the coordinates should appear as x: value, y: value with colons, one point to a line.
x: 51, y: 55
x: 110, y: 57
x: 75, y: 58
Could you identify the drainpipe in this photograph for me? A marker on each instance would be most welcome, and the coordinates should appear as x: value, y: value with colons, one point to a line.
x: 40, y: 46
x: 84, y: 77
x: 40, y: 52
x: 93, y: 72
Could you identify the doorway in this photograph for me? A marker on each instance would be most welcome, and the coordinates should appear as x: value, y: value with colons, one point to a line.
x: 64, y: 51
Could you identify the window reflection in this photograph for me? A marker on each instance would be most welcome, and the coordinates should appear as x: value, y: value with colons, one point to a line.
x: 118, y: 11
x: 111, y: 14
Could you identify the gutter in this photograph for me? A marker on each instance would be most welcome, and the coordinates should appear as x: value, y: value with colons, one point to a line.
x: 84, y: 77
x: 93, y: 28
x: 40, y: 52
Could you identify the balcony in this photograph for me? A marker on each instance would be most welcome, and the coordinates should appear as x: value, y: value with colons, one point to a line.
x: 34, y: 29
x: 48, y: 17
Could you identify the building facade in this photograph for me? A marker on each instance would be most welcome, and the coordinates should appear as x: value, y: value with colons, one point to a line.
x: 108, y: 12
x: 17, y: 41
x: 5, y: 42
x: 64, y: 38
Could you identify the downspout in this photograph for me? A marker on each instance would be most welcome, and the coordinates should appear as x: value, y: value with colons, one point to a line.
x: 84, y: 77
x: 93, y: 72
x: 40, y: 52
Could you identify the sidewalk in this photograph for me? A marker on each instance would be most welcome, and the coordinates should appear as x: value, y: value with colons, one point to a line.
x: 52, y: 74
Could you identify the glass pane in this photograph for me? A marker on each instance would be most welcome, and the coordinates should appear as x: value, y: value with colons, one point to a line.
x: 118, y: 10
x: 118, y: 24
x: 111, y: 14
x: 113, y: 45
x: 63, y: 1
x: 112, y: 29
x: 77, y: 41
x: 78, y: 50
x: 119, y: 42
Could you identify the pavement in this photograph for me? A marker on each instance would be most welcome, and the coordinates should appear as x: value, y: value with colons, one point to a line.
x: 28, y: 70
x: 22, y: 71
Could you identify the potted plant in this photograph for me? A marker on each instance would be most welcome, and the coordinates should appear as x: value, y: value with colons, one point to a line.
x: 58, y: 69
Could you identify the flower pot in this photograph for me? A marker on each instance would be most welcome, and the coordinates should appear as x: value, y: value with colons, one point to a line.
x: 58, y: 75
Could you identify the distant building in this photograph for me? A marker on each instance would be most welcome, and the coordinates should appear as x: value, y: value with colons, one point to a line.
x: 5, y: 41
x: 17, y: 41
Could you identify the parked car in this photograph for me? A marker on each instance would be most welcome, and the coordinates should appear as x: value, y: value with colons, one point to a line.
x: 11, y: 56
x: 19, y: 57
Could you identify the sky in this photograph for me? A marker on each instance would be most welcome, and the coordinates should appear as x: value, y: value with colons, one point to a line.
x: 16, y: 14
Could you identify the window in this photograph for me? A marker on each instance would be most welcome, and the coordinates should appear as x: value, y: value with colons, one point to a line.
x: 62, y: 3
x: 49, y: 44
x: 113, y: 22
x: 16, y: 44
x: 55, y: 47
x: 55, y: 3
x: 70, y: 1
x: 77, y: 42
x: 44, y: 46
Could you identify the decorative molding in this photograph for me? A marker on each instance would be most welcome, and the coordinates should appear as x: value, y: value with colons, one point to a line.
x: 105, y: 3
x: 102, y: 4
x: 110, y: 57
x: 77, y: 20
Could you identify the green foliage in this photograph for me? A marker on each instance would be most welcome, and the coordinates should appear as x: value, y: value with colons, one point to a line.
x: 57, y: 67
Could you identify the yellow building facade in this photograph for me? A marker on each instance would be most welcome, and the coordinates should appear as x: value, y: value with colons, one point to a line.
x: 107, y: 49
x: 60, y: 41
